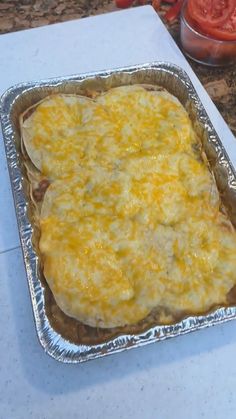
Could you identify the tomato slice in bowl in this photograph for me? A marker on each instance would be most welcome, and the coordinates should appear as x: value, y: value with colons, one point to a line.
x: 225, y: 32
x: 211, y: 13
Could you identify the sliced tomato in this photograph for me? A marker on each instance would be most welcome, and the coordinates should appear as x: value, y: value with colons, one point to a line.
x: 122, y: 4
x: 211, y: 13
x: 174, y: 11
x: 225, y: 32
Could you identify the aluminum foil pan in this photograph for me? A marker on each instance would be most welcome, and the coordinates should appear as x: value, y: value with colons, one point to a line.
x: 63, y: 338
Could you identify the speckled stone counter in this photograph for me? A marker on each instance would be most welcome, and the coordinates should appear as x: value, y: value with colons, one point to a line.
x: 22, y: 14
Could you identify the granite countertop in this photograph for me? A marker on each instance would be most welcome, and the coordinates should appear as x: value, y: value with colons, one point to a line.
x: 23, y: 14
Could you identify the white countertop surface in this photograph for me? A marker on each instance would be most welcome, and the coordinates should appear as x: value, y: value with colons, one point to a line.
x: 193, y: 376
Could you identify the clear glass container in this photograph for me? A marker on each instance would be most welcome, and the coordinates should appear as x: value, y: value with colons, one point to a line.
x: 203, y: 48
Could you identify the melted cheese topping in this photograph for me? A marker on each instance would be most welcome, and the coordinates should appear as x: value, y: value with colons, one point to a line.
x: 64, y: 133
x: 131, y: 220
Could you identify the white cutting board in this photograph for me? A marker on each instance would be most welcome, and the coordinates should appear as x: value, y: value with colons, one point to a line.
x: 189, y: 377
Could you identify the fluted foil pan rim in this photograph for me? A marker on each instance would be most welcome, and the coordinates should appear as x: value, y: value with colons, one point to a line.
x: 53, y: 343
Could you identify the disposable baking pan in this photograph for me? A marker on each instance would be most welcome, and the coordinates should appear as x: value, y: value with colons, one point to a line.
x: 63, y: 338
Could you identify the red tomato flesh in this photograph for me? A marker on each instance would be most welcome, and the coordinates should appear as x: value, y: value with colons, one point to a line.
x: 122, y: 4
x: 211, y: 13
x: 174, y: 11
x: 226, y: 32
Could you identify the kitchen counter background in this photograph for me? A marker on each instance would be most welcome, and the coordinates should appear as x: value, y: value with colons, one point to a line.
x: 23, y: 14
